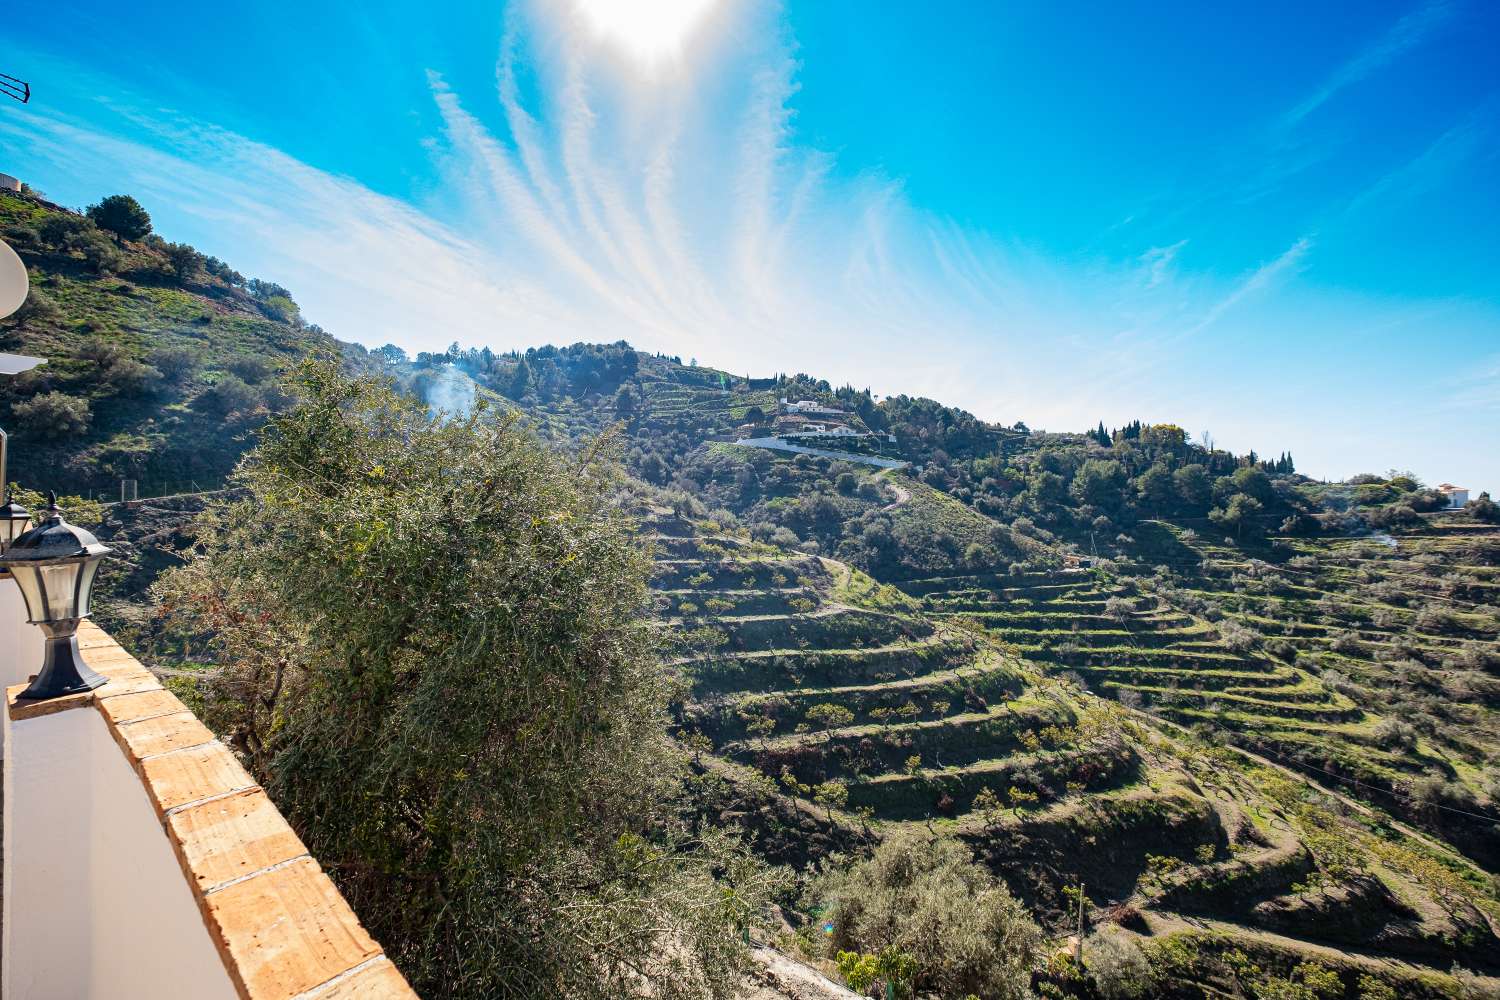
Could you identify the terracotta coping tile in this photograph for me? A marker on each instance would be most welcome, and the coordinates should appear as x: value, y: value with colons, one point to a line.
x: 287, y: 931
x: 21, y: 709
x: 184, y: 776
x: 280, y: 924
x: 162, y: 734
x: 142, y: 705
x: 100, y: 657
x: 378, y: 981
x: 231, y: 837
x: 126, y: 680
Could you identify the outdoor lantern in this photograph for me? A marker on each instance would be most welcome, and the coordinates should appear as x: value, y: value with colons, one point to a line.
x: 54, y: 565
x: 14, y: 520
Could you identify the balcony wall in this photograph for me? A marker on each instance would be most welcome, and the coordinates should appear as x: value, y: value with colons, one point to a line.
x: 142, y: 861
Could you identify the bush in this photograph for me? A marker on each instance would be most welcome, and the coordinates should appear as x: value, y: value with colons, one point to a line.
x: 177, y: 364
x: 21, y: 235
x: 101, y: 255
x: 228, y: 396
x: 53, y: 415
x: 1119, y: 967
x: 187, y: 263
x: 250, y: 368
x: 38, y: 306
x: 1482, y: 508
x: 1393, y: 734
x: 122, y: 215
x: 928, y: 899
x: 65, y: 231
x: 102, y: 351
x: 223, y: 272
x: 281, y: 309
x: 128, y: 376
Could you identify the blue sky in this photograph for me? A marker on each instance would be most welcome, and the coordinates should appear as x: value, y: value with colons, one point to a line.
x: 1278, y: 223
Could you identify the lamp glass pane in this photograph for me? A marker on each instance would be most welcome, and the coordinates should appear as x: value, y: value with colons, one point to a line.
x: 30, y: 582
x: 58, y: 582
x: 11, y: 530
x: 86, y: 589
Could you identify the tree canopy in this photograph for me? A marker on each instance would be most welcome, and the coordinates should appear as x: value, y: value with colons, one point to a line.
x: 122, y: 215
x: 437, y: 663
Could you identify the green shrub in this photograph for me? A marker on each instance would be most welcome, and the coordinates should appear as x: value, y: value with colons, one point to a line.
x: 53, y: 415
x: 230, y: 395
x: 65, y: 231
x: 930, y: 900
x: 176, y: 364
x: 130, y: 377
x: 101, y: 255
x: 1120, y: 969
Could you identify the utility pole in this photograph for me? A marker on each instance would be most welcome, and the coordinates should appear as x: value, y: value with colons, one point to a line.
x: 1078, y: 941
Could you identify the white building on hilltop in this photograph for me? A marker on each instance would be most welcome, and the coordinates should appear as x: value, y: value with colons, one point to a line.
x: 9, y: 183
x: 1457, y: 495
x: 810, y: 406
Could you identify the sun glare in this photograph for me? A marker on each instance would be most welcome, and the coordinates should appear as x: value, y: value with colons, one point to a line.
x: 650, y: 30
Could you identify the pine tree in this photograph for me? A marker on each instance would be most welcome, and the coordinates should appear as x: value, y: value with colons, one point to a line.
x: 521, y: 381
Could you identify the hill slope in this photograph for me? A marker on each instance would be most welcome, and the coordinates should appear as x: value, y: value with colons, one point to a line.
x: 159, y: 361
x: 1250, y: 711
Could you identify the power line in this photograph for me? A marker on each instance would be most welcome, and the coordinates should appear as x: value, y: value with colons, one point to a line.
x: 1294, y: 763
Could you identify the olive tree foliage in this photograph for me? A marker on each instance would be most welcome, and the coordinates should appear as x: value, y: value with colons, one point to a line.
x: 927, y: 898
x: 434, y: 656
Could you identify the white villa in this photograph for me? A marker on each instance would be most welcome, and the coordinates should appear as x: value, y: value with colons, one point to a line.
x: 821, y: 431
x: 1457, y: 495
x: 809, y: 406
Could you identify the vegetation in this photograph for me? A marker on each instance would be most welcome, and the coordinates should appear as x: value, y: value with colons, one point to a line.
x: 143, y: 341
x: 436, y: 665
x: 958, y: 929
x: 1124, y: 669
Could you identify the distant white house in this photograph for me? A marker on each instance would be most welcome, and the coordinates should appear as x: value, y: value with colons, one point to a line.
x: 819, y: 431
x: 9, y: 183
x: 1457, y: 495
x: 809, y: 406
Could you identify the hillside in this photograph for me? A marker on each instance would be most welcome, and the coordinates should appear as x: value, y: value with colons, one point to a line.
x: 1297, y: 740
x: 1252, y: 715
x: 159, y: 360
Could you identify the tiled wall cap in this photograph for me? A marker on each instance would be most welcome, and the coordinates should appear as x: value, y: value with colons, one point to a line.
x: 281, y: 926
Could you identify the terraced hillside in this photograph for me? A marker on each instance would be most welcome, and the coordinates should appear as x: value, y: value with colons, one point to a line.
x: 1398, y: 632
x: 839, y: 710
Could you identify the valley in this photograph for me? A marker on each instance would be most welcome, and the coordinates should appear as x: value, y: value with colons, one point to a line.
x: 1250, y: 717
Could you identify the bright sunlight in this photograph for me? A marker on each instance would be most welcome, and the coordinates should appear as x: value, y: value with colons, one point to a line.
x: 648, y: 29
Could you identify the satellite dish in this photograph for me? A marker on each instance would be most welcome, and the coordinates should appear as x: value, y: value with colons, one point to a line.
x: 13, y: 281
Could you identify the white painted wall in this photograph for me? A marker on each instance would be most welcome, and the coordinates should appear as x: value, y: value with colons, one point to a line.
x: 21, y: 643
x: 95, y: 903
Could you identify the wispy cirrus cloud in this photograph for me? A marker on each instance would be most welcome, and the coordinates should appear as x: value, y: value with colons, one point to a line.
x: 1158, y: 262
x: 681, y: 211
x: 1408, y: 32
x: 1262, y: 278
x: 1476, y: 389
x: 1427, y: 169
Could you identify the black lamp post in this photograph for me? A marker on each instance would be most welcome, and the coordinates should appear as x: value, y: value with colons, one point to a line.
x: 54, y: 565
x: 14, y: 521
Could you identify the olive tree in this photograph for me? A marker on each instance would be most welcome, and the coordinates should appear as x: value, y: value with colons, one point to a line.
x: 927, y: 898
x: 435, y: 658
